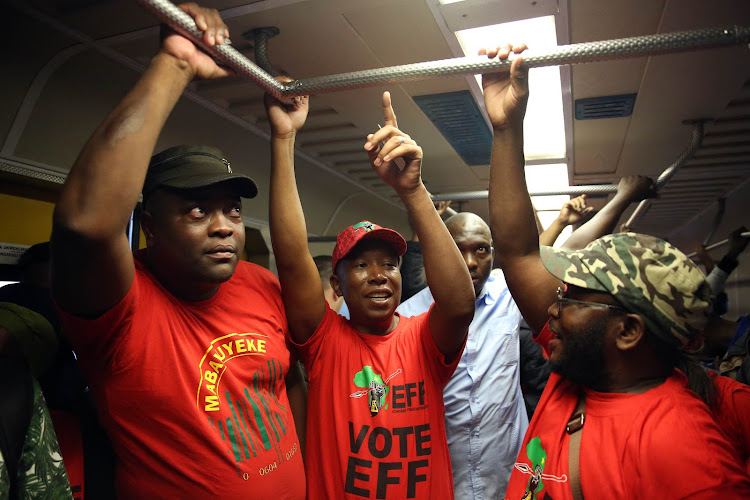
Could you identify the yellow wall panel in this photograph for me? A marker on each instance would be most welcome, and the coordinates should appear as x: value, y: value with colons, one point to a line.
x: 25, y: 221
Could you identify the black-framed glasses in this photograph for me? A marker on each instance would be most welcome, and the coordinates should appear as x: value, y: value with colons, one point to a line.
x: 562, y: 300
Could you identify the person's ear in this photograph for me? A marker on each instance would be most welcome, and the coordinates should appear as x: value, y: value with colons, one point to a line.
x: 147, y: 225
x: 631, y: 330
x: 336, y: 285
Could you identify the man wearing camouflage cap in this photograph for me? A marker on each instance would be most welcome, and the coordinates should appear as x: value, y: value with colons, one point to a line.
x: 616, y: 419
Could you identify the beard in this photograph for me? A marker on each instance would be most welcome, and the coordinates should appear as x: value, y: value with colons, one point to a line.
x: 582, y: 357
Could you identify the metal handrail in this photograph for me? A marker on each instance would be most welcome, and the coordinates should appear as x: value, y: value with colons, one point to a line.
x: 670, y: 171
x: 718, y: 244
x: 606, y: 50
x: 570, y: 190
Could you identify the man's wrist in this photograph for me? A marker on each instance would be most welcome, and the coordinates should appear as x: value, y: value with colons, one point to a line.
x: 179, y: 67
x: 410, y: 194
x: 284, y: 138
x: 559, y: 223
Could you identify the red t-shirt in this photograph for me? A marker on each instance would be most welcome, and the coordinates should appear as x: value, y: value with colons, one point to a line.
x: 192, y: 394
x: 662, y: 443
x: 375, y: 417
x: 732, y: 414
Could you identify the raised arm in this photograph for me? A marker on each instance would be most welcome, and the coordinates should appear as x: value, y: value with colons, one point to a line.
x: 571, y: 213
x: 631, y: 188
x: 446, y: 272
x: 301, y: 287
x: 511, y: 214
x: 92, y: 266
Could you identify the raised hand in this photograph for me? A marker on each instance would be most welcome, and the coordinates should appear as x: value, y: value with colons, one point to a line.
x: 286, y: 119
x: 636, y: 188
x: 389, y: 143
x: 705, y: 258
x: 506, y: 93
x: 737, y: 242
x: 214, y: 33
x: 574, y: 210
x: 443, y: 206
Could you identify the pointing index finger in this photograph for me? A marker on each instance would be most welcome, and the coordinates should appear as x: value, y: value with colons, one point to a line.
x: 388, y: 114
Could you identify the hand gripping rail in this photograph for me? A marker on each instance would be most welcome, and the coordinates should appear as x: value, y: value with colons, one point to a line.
x: 606, y: 50
x: 718, y: 244
x: 622, y: 48
x: 669, y: 172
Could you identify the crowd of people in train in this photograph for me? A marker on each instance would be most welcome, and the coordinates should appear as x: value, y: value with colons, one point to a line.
x: 507, y: 368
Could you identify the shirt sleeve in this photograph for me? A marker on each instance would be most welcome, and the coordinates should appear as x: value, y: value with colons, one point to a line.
x: 97, y: 339
x: 311, y: 349
x: 668, y: 459
x: 740, y: 402
x: 716, y: 278
x: 441, y: 370
x: 418, y: 304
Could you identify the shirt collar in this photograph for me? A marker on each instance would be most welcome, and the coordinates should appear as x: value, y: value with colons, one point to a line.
x: 489, y: 294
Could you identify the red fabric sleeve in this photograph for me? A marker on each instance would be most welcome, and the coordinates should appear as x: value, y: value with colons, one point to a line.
x: 442, y: 370
x: 310, y: 350
x: 99, y: 338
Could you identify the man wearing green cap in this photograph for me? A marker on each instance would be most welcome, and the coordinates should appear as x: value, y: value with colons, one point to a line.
x: 616, y: 419
x: 183, y: 344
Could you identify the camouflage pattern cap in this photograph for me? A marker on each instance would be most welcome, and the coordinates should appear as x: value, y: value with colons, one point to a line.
x: 648, y: 276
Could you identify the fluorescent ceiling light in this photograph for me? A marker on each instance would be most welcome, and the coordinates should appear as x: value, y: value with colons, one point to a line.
x: 444, y: 2
x: 544, y: 127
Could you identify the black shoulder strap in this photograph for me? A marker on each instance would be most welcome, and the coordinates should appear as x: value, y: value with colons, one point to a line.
x: 16, y: 406
x: 575, y: 430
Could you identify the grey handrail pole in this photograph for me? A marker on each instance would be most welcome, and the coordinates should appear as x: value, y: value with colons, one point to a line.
x: 606, y: 50
x: 719, y: 243
x: 666, y: 176
x: 570, y: 190
x: 717, y: 221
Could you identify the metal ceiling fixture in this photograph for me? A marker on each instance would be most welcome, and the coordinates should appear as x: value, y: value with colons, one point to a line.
x: 556, y: 56
x: 566, y: 54
x: 669, y: 172
x: 570, y: 190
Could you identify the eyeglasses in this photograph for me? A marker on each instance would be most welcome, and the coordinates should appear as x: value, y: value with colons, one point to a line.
x: 562, y: 300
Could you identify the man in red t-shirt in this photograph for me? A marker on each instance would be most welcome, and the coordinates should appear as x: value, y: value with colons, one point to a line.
x: 376, y: 415
x: 183, y: 346
x: 620, y: 311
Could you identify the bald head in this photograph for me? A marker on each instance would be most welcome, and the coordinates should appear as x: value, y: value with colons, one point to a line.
x: 474, y: 240
x: 467, y: 221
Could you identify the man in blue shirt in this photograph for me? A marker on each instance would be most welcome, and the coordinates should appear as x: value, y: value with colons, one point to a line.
x: 485, y: 416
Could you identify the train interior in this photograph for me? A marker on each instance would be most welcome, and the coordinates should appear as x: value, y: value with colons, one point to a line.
x: 66, y: 63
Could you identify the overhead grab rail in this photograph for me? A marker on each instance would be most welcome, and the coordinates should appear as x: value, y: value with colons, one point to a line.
x: 663, y: 178
x: 718, y: 244
x: 606, y: 50
x: 717, y: 221
x: 571, y: 190
x: 669, y: 172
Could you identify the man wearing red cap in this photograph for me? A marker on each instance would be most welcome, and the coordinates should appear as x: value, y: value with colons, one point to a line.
x: 182, y: 344
x: 375, y: 411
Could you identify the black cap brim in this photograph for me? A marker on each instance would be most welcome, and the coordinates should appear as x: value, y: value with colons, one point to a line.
x: 244, y: 185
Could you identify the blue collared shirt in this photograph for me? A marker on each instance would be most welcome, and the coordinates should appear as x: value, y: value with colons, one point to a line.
x: 485, y: 416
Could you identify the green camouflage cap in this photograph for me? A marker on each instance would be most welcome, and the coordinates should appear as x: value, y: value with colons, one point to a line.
x: 648, y: 276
